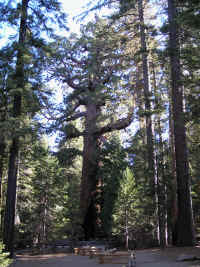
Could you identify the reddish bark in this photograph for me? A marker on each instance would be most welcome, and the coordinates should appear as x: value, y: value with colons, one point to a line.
x: 185, y: 223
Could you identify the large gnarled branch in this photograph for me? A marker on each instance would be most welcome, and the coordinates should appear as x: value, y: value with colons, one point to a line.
x: 118, y: 125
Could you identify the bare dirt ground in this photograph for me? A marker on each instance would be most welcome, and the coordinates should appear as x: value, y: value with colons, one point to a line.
x: 144, y: 258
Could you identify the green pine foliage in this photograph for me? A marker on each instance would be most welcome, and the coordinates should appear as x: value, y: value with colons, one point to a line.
x: 70, y: 159
x: 44, y: 178
x: 41, y: 181
x: 5, y: 261
x: 113, y: 163
x: 124, y: 215
x: 44, y: 18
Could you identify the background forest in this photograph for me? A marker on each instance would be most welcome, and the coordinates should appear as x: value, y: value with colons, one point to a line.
x: 121, y: 100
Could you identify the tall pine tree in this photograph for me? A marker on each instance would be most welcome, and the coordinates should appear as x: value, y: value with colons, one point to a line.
x: 185, y: 223
x: 33, y: 18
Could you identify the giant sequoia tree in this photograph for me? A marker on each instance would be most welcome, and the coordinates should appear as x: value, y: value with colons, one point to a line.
x: 92, y: 66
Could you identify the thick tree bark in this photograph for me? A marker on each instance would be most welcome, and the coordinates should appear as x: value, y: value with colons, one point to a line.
x: 89, y: 171
x: 15, y: 146
x: 174, y: 204
x: 185, y: 224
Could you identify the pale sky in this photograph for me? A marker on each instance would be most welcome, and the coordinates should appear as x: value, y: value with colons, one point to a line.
x: 74, y: 8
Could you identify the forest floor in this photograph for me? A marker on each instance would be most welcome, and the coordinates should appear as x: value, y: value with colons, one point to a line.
x: 144, y: 258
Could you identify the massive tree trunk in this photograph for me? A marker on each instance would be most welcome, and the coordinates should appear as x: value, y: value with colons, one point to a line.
x: 89, y: 172
x: 185, y: 224
x: 90, y: 164
x: 15, y: 146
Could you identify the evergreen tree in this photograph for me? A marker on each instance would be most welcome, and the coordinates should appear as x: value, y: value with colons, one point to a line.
x: 70, y: 158
x: 185, y: 224
x: 14, y: 150
x: 33, y: 19
x: 92, y: 67
x: 41, y: 181
x: 113, y: 162
x: 124, y: 215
